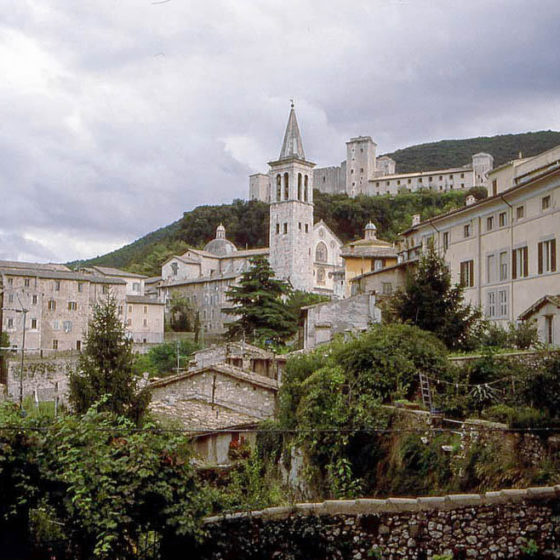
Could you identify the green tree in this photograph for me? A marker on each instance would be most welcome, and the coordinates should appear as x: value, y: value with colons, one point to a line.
x: 258, y: 305
x: 430, y: 302
x: 180, y: 313
x: 106, y: 368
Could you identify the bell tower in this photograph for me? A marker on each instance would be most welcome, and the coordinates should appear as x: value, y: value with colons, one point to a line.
x: 291, y: 211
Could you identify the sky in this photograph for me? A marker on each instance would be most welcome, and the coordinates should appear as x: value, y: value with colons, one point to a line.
x: 119, y: 115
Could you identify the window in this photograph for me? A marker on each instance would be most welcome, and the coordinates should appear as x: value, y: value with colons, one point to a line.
x: 494, y: 187
x: 503, y: 265
x: 467, y: 274
x: 467, y: 230
x: 34, y: 300
x: 378, y: 264
x: 145, y: 309
x: 57, y: 286
x: 548, y: 330
x: 55, y: 344
x: 11, y: 298
x: 299, y: 226
x: 321, y: 253
x: 398, y: 182
x: 491, y: 304
x: 136, y: 286
x: 26, y: 282
x: 462, y: 175
x: 490, y: 223
x: 130, y: 308
x: 128, y: 322
x: 502, y: 219
x: 306, y: 228
x: 51, y: 306
x: 33, y: 323
x: 55, y: 325
x: 80, y: 287
x: 105, y: 289
x: 286, y: 186
x: 120, y: 309
x: 10, y: 323
x: 145, y: 322
x: 285, y: 227
x: 547, y: 256
x: 10, y: 281
x: 420, y: 179
x: 278, y: 187
x: 78, y: 345
x: 451, y: 176
x: 67, y: 326
x: 277, y: 229
x: 490, y: 269
x: 409, y: 181
x: 441, y: 177
x: 445, y: 240
x: 502, y: 303
x: 72, y: 306
x: 545, y: 202
x: 321, y: 276
x: 431, y: 179
x: 386, y: 288
x: 520, y: 263
x: 520, y: 212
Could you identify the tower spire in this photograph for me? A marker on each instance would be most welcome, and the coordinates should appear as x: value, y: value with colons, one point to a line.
x: 292, y: 145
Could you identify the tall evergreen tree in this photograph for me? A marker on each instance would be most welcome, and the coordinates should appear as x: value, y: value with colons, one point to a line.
x: 105, y: 368
x: 433, y: 304
x: 258, y: 305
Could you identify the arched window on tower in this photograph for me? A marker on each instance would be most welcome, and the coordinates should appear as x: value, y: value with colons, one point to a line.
x: 306, y: 190
x: 321, y: 252
x: 286, y: 186
x: 299, y: 186
x: 278, y: 187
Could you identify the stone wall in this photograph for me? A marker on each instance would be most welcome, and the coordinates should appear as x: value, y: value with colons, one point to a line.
x: 45, y: 376
x: 490, y: 526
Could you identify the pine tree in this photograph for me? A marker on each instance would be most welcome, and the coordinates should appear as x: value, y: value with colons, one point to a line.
x: 430, y: 302
x: 258, y: 305
x: 105, y: 368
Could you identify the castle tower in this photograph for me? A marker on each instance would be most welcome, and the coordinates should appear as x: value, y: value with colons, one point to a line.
x: 360, y: 164
x: 291, y: 211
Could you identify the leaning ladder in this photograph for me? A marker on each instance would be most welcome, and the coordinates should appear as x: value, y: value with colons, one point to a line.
x: 426, y: 391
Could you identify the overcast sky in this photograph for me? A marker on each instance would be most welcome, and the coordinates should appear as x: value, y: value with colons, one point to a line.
x: 119, y: 115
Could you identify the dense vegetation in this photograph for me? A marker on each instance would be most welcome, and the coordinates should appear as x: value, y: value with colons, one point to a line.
x: 247, y: 222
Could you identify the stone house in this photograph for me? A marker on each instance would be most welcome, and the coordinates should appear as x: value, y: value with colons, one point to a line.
x: 323, y: 321
x: 546, y: 312
x: 58, y: 301
x: 144, y: 319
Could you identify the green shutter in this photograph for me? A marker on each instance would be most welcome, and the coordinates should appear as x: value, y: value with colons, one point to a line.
x: 540, y: 269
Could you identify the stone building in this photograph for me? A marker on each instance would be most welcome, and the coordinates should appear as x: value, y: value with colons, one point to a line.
x: 144, y: 319
x: 58, y: 301
x: 291, y: 211
x: 323, y: 321
x: 327, y: 258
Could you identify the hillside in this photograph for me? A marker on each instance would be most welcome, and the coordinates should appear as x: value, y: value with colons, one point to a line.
x: 247, y: 222
x: 450, y: 153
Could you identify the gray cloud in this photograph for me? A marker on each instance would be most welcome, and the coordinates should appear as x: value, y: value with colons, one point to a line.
x: 119, y: 116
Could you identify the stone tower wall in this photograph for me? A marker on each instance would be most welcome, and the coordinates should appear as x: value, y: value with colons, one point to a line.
x: 360, y: 164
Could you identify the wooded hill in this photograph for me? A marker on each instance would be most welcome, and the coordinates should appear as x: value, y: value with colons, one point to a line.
x: 247, y: 222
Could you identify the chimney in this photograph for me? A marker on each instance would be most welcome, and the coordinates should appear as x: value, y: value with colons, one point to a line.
x: 415, y: 219
x: 470, y: 200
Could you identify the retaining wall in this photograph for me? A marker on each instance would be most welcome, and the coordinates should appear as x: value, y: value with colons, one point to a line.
x: 490, y: 526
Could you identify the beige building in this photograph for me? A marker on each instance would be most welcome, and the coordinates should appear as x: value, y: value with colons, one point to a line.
x: 58, y: 303
x: 365, y: 255
x: 502, y: 249
x: 144, y: 319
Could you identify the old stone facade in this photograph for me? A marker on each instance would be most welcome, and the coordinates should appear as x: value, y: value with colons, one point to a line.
x: 58, y: 303
x: 323, y: 321
x: 488, y: 526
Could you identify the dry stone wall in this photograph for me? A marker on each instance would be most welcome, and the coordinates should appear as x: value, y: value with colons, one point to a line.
x: 492, y: 526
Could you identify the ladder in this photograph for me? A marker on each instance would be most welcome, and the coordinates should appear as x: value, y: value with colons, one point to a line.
x: 426, y: 391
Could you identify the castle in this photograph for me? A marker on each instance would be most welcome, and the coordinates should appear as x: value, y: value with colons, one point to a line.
x: 364, y: 173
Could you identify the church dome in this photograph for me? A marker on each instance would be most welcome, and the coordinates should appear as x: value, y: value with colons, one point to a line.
x: 220, y: 246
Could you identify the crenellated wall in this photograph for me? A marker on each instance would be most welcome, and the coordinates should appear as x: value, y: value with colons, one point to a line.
x: 489, y: 526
